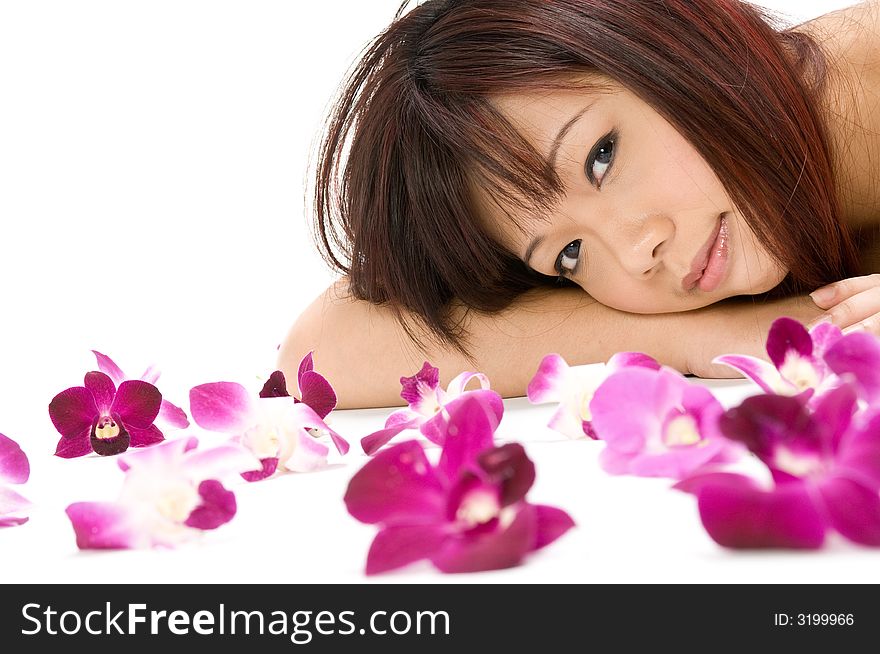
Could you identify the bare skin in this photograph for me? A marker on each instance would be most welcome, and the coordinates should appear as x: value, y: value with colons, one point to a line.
x: 363, y: 351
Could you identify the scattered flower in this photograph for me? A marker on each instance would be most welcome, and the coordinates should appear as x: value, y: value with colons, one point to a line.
x: 468, y: 513
x: 100, y: 418
x: 169, y: 414
x: 315, y: 389
x: 430, y: 406
x: 171, y: 494
x: 280, y: 432
x: 14, y: 469
x: 825, y: 469
x: 573, y: 387
x: 657, y: 424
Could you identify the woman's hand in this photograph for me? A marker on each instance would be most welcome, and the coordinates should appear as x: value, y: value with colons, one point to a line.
x: 852, y: 304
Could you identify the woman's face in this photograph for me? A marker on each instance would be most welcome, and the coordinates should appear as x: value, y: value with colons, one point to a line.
x: 645, y: 226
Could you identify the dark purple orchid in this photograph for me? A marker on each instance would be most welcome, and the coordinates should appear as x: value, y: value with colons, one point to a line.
x: 465, y: 514
x: 825, y: 466
x: 14, y: 469
x: 100, y: 418
x: 169, y: 414
x: 573, y: 388
x: 657, y: 424
x: 172, y: 493
x: 430, y: 406
x: 316, y: 391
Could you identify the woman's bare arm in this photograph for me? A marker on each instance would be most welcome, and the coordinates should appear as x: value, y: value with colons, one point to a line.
x: 363, y: 351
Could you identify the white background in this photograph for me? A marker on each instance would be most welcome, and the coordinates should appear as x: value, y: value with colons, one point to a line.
x: 152, y: 166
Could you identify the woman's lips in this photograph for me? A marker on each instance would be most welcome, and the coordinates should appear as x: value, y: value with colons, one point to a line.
x: 710, y: 265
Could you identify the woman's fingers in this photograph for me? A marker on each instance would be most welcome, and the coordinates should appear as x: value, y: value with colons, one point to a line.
x: 858, y: 311
x: 832, y: 294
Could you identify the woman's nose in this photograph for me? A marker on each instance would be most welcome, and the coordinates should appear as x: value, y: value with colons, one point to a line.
x: 642, y: 252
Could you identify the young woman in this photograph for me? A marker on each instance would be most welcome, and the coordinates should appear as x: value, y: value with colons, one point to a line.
x: 502, y: 179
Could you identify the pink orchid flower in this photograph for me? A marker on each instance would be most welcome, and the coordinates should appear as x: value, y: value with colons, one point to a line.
x: 280, y: 432
x: 798, y: 359
x: 14, y: 469
x: 430, y: 406
x: 169, y: 414
x: 171, y: 494
x: 657, y: 424
x: 100, y: 418
x: 573, y: 388
x: 825, y: 466
x: 466, y: 514
x: 315, y: 389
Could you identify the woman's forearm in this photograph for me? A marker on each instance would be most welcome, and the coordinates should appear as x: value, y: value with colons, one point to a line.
x: 363, y: 351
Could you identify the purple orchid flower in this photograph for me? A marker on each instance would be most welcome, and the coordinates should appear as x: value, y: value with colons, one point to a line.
x: 14, y: 469
x: 430, y: 406
x: 797, y: 356
x: 657, y: 424
x: 280, y: 432
x: 315, y: 389
x: 100, y: 418
x: 169, y: 414
x: 466, y: 514
x: 573, y: 388
x: 172, y: 493
x: 825, y: 466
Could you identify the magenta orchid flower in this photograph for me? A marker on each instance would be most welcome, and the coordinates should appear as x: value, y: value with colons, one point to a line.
x: 430, y: 406
x: 825, y: 466
x: 100, y: 418
x: 466, y: 514
x: 171, y: 494
x: 14, y: 469
x: 797, y: 356
x: 169, y: 414
x: 281, y: 433
x: 573, y: 388
x: 657, y: 424
x: 315, y: 389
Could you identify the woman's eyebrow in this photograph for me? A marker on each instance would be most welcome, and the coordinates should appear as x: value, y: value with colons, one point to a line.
x: 530, y: 250
x: 563, y: 131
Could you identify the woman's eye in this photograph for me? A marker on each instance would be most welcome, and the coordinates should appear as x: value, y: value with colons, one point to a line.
x: 567, y: 261
x: 600, y: 159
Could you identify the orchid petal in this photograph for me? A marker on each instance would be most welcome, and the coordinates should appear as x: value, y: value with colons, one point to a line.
x: 70, y: 447
x: 317, y: 393
x: 102, y: 389
x: 677, y: 463
x: 457, y: 386
x: 372, y: 442
x: 435, y: 428
x: 787, y: 335
x: 307, y: 417
x: 548, y: 383
x: 12, y: 508
x: 824, y: 335
x: 307, y: 364
x: 137, y: 403
x: 421, y: 388
x: 151, y: 375
x: 759, y: 371
x: 217, y: 508
x: 469, y: 431
x: 627, y: 359
x: 763, y: 422
x: 275, y: 386
x: 143, y: 437
x: 858, y: 454
x: 503, y: 548
x: 615, y: 462
x: 857, y: 353
x: 551, y: 524
x: 397, y: 485
x: 308, y: 454
x: 833, y: 412
x: 220, y: 461
x: 509, y: 467
x: 222, y: 406
x: 172, y: 415
x: 73, y: 411
x: 102, y: 525
x: 14, y: 465
x: 567, y: 421
x: 854, y: 509
x: 270, y: 465
x: 398, y: 545
x: 737, y: 513
x: 109, y: 368
x: 163, y: 455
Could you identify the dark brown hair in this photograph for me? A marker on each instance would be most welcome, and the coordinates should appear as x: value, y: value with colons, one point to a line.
x: 414, y: 130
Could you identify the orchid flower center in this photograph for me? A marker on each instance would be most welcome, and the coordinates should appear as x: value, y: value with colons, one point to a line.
x: 799, y: 371
x: 106, y: 428
x: 477, y: 507
x: 682, y: 431
x: 586, y: 414
x: 263, y: 440
x: 177, y: 500
x: 796, y: 464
